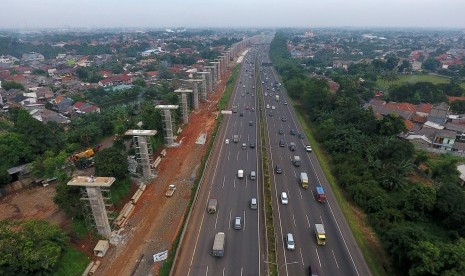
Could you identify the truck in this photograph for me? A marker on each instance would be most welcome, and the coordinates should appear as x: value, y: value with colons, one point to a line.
x: 85, y: 159
x: 212, y: 205
x: 235, y: 138
x: 320, y: 194
x: 240, y: 174
x: 320, y: 234
x: 218, y: 244
x: 304, y: 180
x: 296, y: 160
x: 277, y: 98
x: 170, y: 191
x: 292, y: 146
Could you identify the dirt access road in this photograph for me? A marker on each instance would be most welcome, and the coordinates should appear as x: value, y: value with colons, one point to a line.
x: 157, y: 219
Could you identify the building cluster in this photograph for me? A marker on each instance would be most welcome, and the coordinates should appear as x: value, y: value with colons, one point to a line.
x: 49, y: 80
x: 339, y: 49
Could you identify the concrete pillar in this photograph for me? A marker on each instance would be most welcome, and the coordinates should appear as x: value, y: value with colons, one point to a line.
x: 184, y: 104
x: 99, y: 212
x: 166, y: 109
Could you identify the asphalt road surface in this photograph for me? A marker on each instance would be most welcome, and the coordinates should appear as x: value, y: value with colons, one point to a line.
x: 221, y: 181
x: 340, y: 255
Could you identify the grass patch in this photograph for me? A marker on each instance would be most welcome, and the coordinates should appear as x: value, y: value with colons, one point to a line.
x: 270, y: 235
x: 168, y: 263
x: 73, y: 262
x: 372, y: 251
x: 120, y: 189
x: 79, y: 228
x: 411, y: 79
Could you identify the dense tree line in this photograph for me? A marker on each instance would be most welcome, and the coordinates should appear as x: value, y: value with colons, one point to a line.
x: 424, y: 92
x: 419, y: 224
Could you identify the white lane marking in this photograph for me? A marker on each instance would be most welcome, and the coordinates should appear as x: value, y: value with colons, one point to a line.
x: 224, y: 268
x: 244, y: 222
x: 295, y: 174
x: 241, y: 124
x: 247, y: 156
x: 293, y: 218
x: 246, y: 178
x: 206, y: 271
x: 300, y: 192
x: 216, y: 220
x: 224, y: 179
x: 301, y: 256
x: 308, y: 221
x: 334, y: 255
x: 229, y: 222
x: 229, y: 152
x: 241, y: 270
x: 318, y: 257
x: 237, y: 157
x: 234, y: 182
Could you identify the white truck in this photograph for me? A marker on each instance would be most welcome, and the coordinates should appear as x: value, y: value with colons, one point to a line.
x: 277, y: 98
x: 218, y: 245
x: 240, y: 174
x: 170, y: 191
x: 304, y: 180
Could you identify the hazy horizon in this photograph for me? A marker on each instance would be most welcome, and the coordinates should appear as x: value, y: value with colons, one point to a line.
x: 54, y: 14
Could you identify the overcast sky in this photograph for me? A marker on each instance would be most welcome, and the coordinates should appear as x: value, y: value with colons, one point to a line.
x: 231, y: 13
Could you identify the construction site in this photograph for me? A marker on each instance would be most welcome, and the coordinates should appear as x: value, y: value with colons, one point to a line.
x: 150, y: 217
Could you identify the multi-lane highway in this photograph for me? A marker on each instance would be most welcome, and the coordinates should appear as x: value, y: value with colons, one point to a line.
x: 340, y: 255
x: 221, y: 181
x: 245, y: 249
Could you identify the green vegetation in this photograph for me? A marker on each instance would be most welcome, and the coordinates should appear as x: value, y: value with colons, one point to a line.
x: 72, y: 263
x: 222, y: 103
x: 399, y: 190
x: 412, y: 79
x: 79, y: 228
x: 30, y: 247
x: 7, y: 85
x: 270, y: 234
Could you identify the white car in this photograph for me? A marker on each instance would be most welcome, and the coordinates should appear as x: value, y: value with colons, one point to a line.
x: 284, y: 198
x: 308, y: 148
x: 273, y: 107
x: 226, y: 141
x: 267, y: 106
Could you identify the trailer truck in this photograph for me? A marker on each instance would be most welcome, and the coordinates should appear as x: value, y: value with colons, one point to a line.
x: 218, y: 245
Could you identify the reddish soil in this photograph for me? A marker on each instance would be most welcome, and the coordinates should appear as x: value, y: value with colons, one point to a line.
x: 157, y: 219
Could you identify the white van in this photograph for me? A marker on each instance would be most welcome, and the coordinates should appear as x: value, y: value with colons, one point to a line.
x: 240, y: 173
x: 253, y: 203
x: 290, y: 243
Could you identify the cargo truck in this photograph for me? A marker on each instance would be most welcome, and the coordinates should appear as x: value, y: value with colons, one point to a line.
x: 320, y: 194
x: 170, y: 191
x: 277, y: 98
x: 218, y: 245
x: 304, y: 180
x: 296, y: 161
x: 320, y: 234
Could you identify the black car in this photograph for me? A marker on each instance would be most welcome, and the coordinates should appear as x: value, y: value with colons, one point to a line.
x: 281, y: 131
x: 252, y: 145
x: 301, y: 135
x: 278, y: 169
x: 281, y: 143
x: 292, y: 132
x: 284, y: 118
x: 270, y: 114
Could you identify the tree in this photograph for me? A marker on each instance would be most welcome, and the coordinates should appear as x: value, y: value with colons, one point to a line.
x: 7, y: 85
x: 420, y: 199
x: 30, y: 247
x: 111, y: 162
x: 426, y: 259
x: 50, y: 165
x: 450, y: 208
x: 430, y: 64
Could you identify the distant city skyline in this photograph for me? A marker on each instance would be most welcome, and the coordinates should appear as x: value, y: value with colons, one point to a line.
x: 227, y: 13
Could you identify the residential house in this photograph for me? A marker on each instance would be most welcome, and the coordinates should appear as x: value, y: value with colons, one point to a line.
x: 83, y: 108
x: 62, y: 104
x: 445, y: 139
x: 46, y: 115
x: 439, y: 113
x: 115, y: 80
x: 33, y: 56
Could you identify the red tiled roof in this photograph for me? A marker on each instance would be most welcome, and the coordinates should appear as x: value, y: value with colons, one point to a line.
x: 78, y: 105
x: 401, y: 106
x: 409, y: 125
x: 424, y: 107
x: 419, y: 119
x: 454, y: 99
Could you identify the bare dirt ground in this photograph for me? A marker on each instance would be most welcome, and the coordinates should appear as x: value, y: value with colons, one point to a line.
x: 157, y: 219
x: 33, y: 203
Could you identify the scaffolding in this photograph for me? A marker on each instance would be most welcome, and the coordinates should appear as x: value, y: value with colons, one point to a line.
x: 96, y: 201
x: 143, y: 148
x: 167, y: 122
